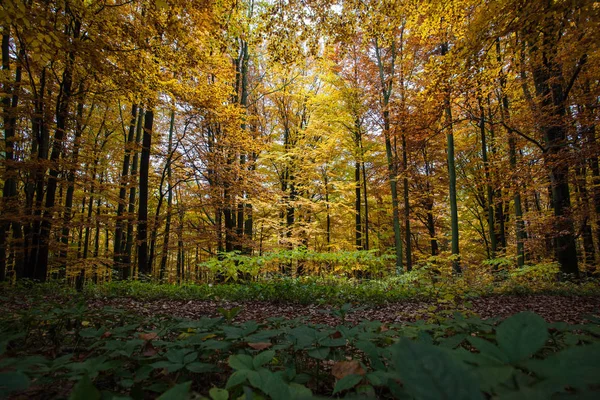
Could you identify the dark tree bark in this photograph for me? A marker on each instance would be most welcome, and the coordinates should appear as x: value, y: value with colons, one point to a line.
x: 62, y: 111
x: 127, y: 256
x: 142, y: 234
x: 119, y: 233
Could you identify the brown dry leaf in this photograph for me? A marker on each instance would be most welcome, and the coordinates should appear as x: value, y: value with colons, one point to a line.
x: 384, y: 328
x: 336, y: 335
x: 106, y: 334
x: 148, y: 336
x: 149, y: 350
x: 260, y: 345
x: 344, y: 368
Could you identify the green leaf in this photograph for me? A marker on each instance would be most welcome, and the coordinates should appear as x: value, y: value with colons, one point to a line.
x: 487, y: 349
x: 13, y: 382
x: 298, y: 391
x: 200, y: 367
x: 431, y: 373
x: 85, y: 390
x: 577, y: 366
x: 263, y: 358
x: 346, y: 383
x: 522, y: 335
x: 236, y: 378
x: 170, y: 367
x: 190, y: 357
x: 320, y: 353
x: 177, y: 392
x: 218, y: 394
x: 241, y: 362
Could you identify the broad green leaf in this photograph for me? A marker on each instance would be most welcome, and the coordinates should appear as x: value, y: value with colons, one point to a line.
x: 218, y: 394
x: 346, y: 383
x: 577, y: 366
x: 236, y: 378
x: 298, y: 391
x: 431, y: 373
x: 85, y: 390
x: 200, y: 367
x: 177, y: 392
x: 319, y: 353
x: 487, y: 348
x: 522, y: 335
x: 241, y: 362
x: 13, y: 382
x: 263, y: 358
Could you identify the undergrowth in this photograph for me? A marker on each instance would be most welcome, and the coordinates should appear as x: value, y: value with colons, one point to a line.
x: 57, y: 349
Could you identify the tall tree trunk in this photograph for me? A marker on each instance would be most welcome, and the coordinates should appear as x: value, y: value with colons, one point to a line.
x: 127, y: 256
x: 451, y: 174
x: 142, y: 234
x: 547, y: 77
x: 165, y: 246
x: 520, y: 234
x: 62, y: 111
x: 42, y: 144
x: 68, y: 213
x: 488, y: 182
x: 406, y: 204
x: 386, y: 91
x: 119, y: 233
x: 9, y: 212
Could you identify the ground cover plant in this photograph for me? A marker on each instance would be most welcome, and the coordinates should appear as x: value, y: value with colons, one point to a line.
x: 142, y: 340
x: 52, y: 348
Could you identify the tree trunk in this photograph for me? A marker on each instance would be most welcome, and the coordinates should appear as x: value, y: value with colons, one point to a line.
x: 386, y: 91
x: 62, y: 111
x: 165, y: 247
x: 451, y: 174
x: 488, y: 183
x: 127, y: 256
x: 119, y: 233
x: 547, y: 77
x: 142, y: 234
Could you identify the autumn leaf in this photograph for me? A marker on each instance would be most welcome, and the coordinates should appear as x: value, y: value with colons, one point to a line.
x: 148, y: 336
x: 342, y: 369
x: 260, y: 345
x: 336, y: 335
x: 149, y: 350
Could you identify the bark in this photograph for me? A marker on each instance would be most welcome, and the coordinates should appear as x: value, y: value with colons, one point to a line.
x: 451, y: 174
x: 142, y: 234
x: 490, y: 193
x: 62, y: 111
x: 547, y: 77
x: 119, y: 233
x: 165, y: 246
x: 386, y: 89
x: 9, y: 191
x: 127, y: 256
x: 68, y: 213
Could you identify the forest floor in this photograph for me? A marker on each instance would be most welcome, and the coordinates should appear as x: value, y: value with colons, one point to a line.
x: 56, y: 343
x: 553, y: 308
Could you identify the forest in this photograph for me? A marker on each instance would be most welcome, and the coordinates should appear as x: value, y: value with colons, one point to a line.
x: 295, y: 198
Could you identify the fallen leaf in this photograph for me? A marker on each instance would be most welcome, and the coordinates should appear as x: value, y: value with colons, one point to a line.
x: 342, y: 369
x: 106, y: 334
x: 149, y: 350
x: 260, y: 345
x: 148, y: 336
